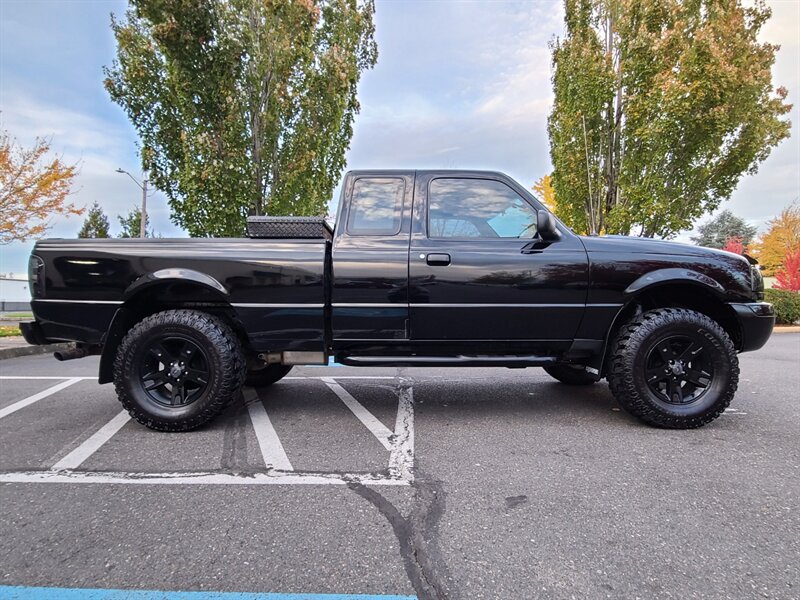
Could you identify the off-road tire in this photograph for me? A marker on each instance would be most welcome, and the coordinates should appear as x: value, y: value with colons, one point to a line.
x: 571, y: 375
x: 628, y: 368
x: 223, y: 359
x: 270, y: 374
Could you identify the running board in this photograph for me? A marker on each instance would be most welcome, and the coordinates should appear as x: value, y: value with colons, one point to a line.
x: 447, y: 361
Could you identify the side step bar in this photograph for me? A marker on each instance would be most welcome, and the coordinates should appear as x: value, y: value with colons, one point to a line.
x: 447, y: 361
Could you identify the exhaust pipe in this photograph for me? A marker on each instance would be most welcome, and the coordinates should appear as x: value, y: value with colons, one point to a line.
x: 71, y: 353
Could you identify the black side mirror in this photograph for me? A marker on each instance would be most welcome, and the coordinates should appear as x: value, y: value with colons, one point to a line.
x: 546, y: 226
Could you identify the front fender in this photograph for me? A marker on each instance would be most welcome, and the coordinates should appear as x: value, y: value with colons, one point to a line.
x: 674, y: 275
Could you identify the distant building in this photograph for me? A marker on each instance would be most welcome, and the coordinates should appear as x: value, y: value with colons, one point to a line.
x: 14, y: 292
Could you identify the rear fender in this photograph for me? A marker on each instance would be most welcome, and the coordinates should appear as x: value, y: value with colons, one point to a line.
x: 163, y: 286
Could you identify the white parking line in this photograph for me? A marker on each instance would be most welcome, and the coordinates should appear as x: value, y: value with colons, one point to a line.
x: 268, y: 441
x: 36, y: 397
x: 201, y: 478
x: 74, y: 459
x: 378, y: 429
x: 400, y: 443
x: 32, y: 377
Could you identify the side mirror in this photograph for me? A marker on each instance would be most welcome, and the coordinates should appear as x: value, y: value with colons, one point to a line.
x: 546, y: 226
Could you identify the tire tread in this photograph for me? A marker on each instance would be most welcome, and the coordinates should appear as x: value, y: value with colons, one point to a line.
x: 627, y: 343
x: 220, y: 335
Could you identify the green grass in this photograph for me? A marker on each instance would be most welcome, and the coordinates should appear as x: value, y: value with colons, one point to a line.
x: 9, y: 331
x: 16, y: 315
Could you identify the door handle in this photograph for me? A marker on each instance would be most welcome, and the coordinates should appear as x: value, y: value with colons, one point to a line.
x: 438, y: 260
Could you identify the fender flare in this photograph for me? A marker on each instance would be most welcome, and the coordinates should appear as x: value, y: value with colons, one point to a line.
x: 672, y: 275
x: 165, y: 275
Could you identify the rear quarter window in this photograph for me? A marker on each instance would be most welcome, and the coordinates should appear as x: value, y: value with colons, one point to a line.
x: 376, y: 206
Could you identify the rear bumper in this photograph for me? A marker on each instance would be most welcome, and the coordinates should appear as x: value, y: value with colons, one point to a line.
x: 33, y: 334
x: 756, y: 320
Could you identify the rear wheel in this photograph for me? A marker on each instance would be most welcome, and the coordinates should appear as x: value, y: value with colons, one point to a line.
x: 570, y: 374
x: 673, y: 368
x: 267, y: 375
x: 177, y: 369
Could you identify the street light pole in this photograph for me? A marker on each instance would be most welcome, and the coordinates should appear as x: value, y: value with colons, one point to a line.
x: 143, y: 224
x: 143, y: 185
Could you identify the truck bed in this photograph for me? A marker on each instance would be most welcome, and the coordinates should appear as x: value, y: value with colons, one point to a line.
x: 275, y: 287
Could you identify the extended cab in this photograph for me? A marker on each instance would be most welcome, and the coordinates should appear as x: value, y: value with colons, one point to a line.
x: 423, y: 268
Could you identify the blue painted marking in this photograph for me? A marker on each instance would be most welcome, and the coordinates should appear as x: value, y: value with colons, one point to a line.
x: 331, y: 363
x: 50, y: 593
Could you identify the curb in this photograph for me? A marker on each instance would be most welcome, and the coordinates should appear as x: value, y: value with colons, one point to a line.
x: 30, y: 350
x: 786, y: 329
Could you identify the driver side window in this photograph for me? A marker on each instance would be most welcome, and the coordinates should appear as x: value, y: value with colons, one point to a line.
x: 478, y: 208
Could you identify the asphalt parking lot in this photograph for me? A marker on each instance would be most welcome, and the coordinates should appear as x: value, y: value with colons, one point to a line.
x: 434, y: 483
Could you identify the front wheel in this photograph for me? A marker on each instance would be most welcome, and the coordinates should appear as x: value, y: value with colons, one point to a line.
x: 673, y: 368
x: 177, y: 369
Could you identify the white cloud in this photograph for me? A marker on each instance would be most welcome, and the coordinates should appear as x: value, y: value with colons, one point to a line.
x: 99, y: 147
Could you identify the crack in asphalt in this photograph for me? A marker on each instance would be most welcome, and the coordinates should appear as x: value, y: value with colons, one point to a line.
x: 416, y: 534
x: 234, y: 441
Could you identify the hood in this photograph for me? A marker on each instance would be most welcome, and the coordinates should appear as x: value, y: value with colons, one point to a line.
x: 640, y: 245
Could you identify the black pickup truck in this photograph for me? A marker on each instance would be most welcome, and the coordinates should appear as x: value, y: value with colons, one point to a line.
x: 423, y: 268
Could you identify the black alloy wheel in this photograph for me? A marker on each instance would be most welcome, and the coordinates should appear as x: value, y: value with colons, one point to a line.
x: 679, y: 368
x: 174, y: 371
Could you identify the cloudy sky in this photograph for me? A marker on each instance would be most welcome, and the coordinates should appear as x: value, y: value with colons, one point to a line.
x: 458, y: 84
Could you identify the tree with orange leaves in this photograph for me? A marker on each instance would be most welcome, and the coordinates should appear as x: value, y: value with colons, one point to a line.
x: 33, y: 188
x: 781, y: 239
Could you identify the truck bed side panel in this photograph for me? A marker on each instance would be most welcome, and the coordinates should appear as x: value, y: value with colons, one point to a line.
x: 276, y: 287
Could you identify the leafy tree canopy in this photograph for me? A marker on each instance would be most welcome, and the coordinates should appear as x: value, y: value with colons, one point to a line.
x: 781, y: 239
x: 132, y: 224
x: 33, y: 188
x: 96, y: 224
x: 722, y: 228
x: 242, y: 106
x: 660, y: 107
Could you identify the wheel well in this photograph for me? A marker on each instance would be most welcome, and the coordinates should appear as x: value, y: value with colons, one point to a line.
x: 158, y: 298
x: 680, y: 295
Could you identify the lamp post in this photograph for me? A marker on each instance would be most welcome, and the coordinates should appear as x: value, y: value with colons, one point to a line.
x: 143, y: 185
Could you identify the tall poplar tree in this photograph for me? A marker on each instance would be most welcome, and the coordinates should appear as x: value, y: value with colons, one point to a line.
x: 660, y: 107
x: 242, y: 106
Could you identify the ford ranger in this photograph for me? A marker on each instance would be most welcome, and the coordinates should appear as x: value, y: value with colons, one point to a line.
x: 423, y: 268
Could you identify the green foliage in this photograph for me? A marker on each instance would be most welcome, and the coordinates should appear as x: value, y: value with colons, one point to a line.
x: 96, y: 224
x: 132, y: 224
x: 676, y: 101
x: 243, y: 106
x: 723, y: 227
x: 787, y: 305
x: 9, y: 331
